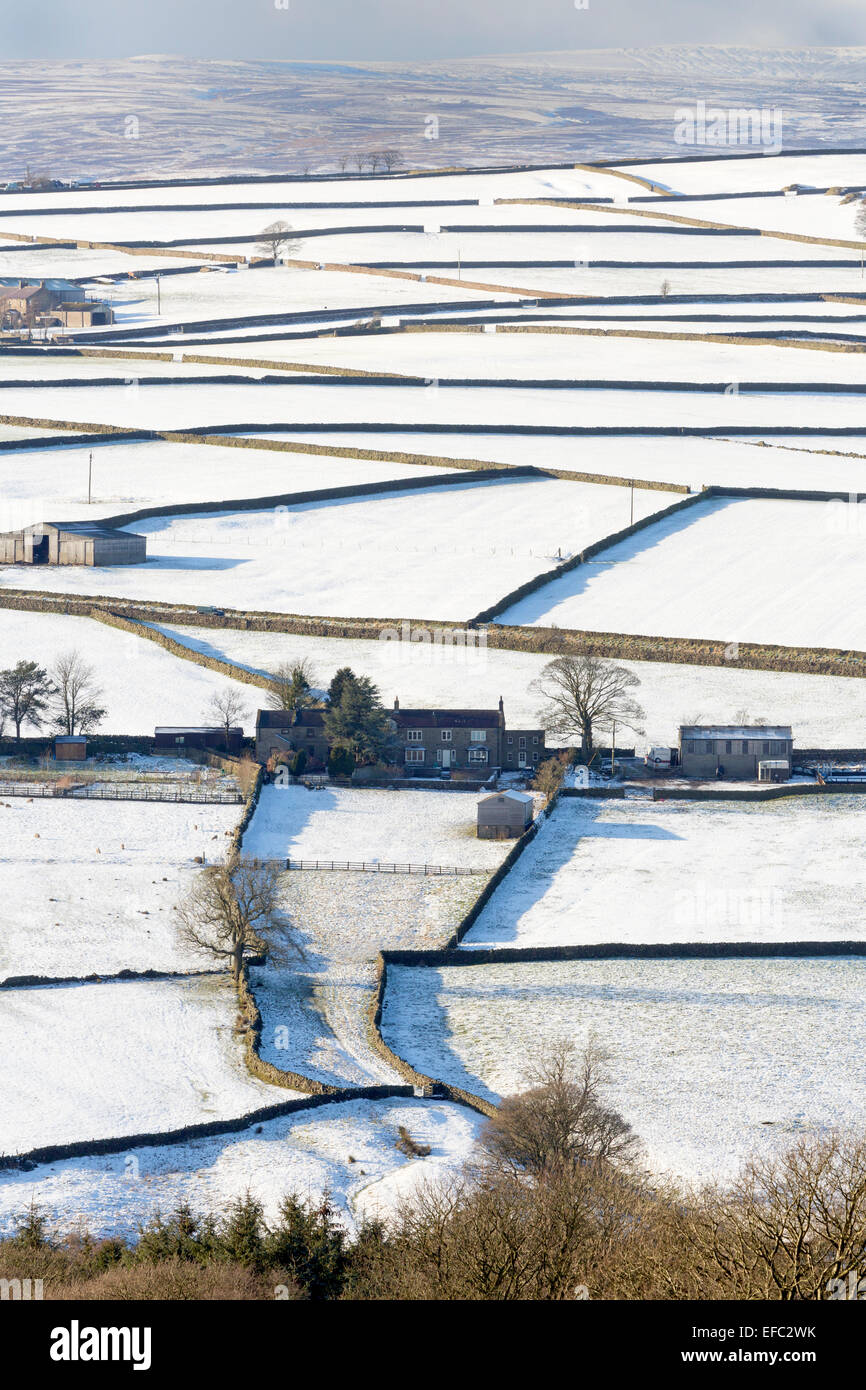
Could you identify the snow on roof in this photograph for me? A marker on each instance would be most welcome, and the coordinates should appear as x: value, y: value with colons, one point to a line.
x: 456, y: 718
x: 88, y: 528
x: 735, y: 731
x: 521, y: 797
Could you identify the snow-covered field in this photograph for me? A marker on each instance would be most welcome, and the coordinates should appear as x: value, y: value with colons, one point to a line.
x: 373, y: 825
x: 543, y: 356
x: 347, y: 1150
x: 143, y: 685
x: 442, y: 554
x: 314, y: 1011
x: 736, y: 571
x: 824, y: 711
x: 639, y: 871
x: 125, y: 477
x: 712, y: 1059
x: 339, y: 405
x: 90, y: 887
x: 101, y: 1060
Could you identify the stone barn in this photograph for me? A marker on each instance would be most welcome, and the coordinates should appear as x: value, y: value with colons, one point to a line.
x: 72, y: 543
x: 735, y: 751
x: 177, y: 739
x: 504, y: 815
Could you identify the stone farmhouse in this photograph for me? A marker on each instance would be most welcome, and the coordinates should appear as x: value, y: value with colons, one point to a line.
x: 425, y: 741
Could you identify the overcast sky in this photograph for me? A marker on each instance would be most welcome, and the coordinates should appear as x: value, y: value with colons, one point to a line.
x: 410, y: 29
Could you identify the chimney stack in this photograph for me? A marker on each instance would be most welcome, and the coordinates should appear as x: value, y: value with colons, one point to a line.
x: 396, y: 702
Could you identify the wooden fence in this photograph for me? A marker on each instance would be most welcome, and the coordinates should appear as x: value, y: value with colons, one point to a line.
x: 125, y: 791
x: 362, y: 866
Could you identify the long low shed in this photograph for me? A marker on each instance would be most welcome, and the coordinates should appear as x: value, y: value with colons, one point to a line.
x: 72, y: 543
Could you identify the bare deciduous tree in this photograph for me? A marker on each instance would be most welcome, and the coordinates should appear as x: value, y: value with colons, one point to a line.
x: 76, y: 695
x: 278, y: 240
x: 586, y: 693
x: 291, y: 686
x: 792, y: 1225
x: 548, y: 777
x: 227, y: 709
x: 230, y: 914
x: 562, y: 1119
x: 390, y: 159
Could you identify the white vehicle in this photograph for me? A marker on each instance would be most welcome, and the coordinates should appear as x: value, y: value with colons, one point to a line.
x: 659, y: 757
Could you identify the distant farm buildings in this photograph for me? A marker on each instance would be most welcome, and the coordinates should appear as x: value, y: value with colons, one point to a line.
x: 71, y: 543
x: 28, y: 304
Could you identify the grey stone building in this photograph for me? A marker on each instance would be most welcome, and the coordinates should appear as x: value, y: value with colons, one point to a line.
x: 734, y: 751
x: 424, y: 741
x: 465, y: 740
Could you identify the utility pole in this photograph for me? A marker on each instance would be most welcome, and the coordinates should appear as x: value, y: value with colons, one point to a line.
x: 631, y: 514
x: 158, y: 296
x: 89, y: 475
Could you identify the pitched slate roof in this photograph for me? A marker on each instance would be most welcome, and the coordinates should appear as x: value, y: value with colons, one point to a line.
x: 445, y: 718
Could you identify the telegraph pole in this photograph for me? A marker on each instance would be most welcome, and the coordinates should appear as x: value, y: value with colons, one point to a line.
x: 158, y: 296
x: 89, y: 475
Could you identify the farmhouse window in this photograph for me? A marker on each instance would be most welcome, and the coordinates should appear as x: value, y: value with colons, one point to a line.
x: 180, y: 739
x: 521, y: 743
x: 478, y: 755
x: 535, y: 738
x: 510, y: 738
x: 478, y: 736
x: 414, y: 755
x: 777, y: 747
x: 446, y: 735
x: 414, y: 735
